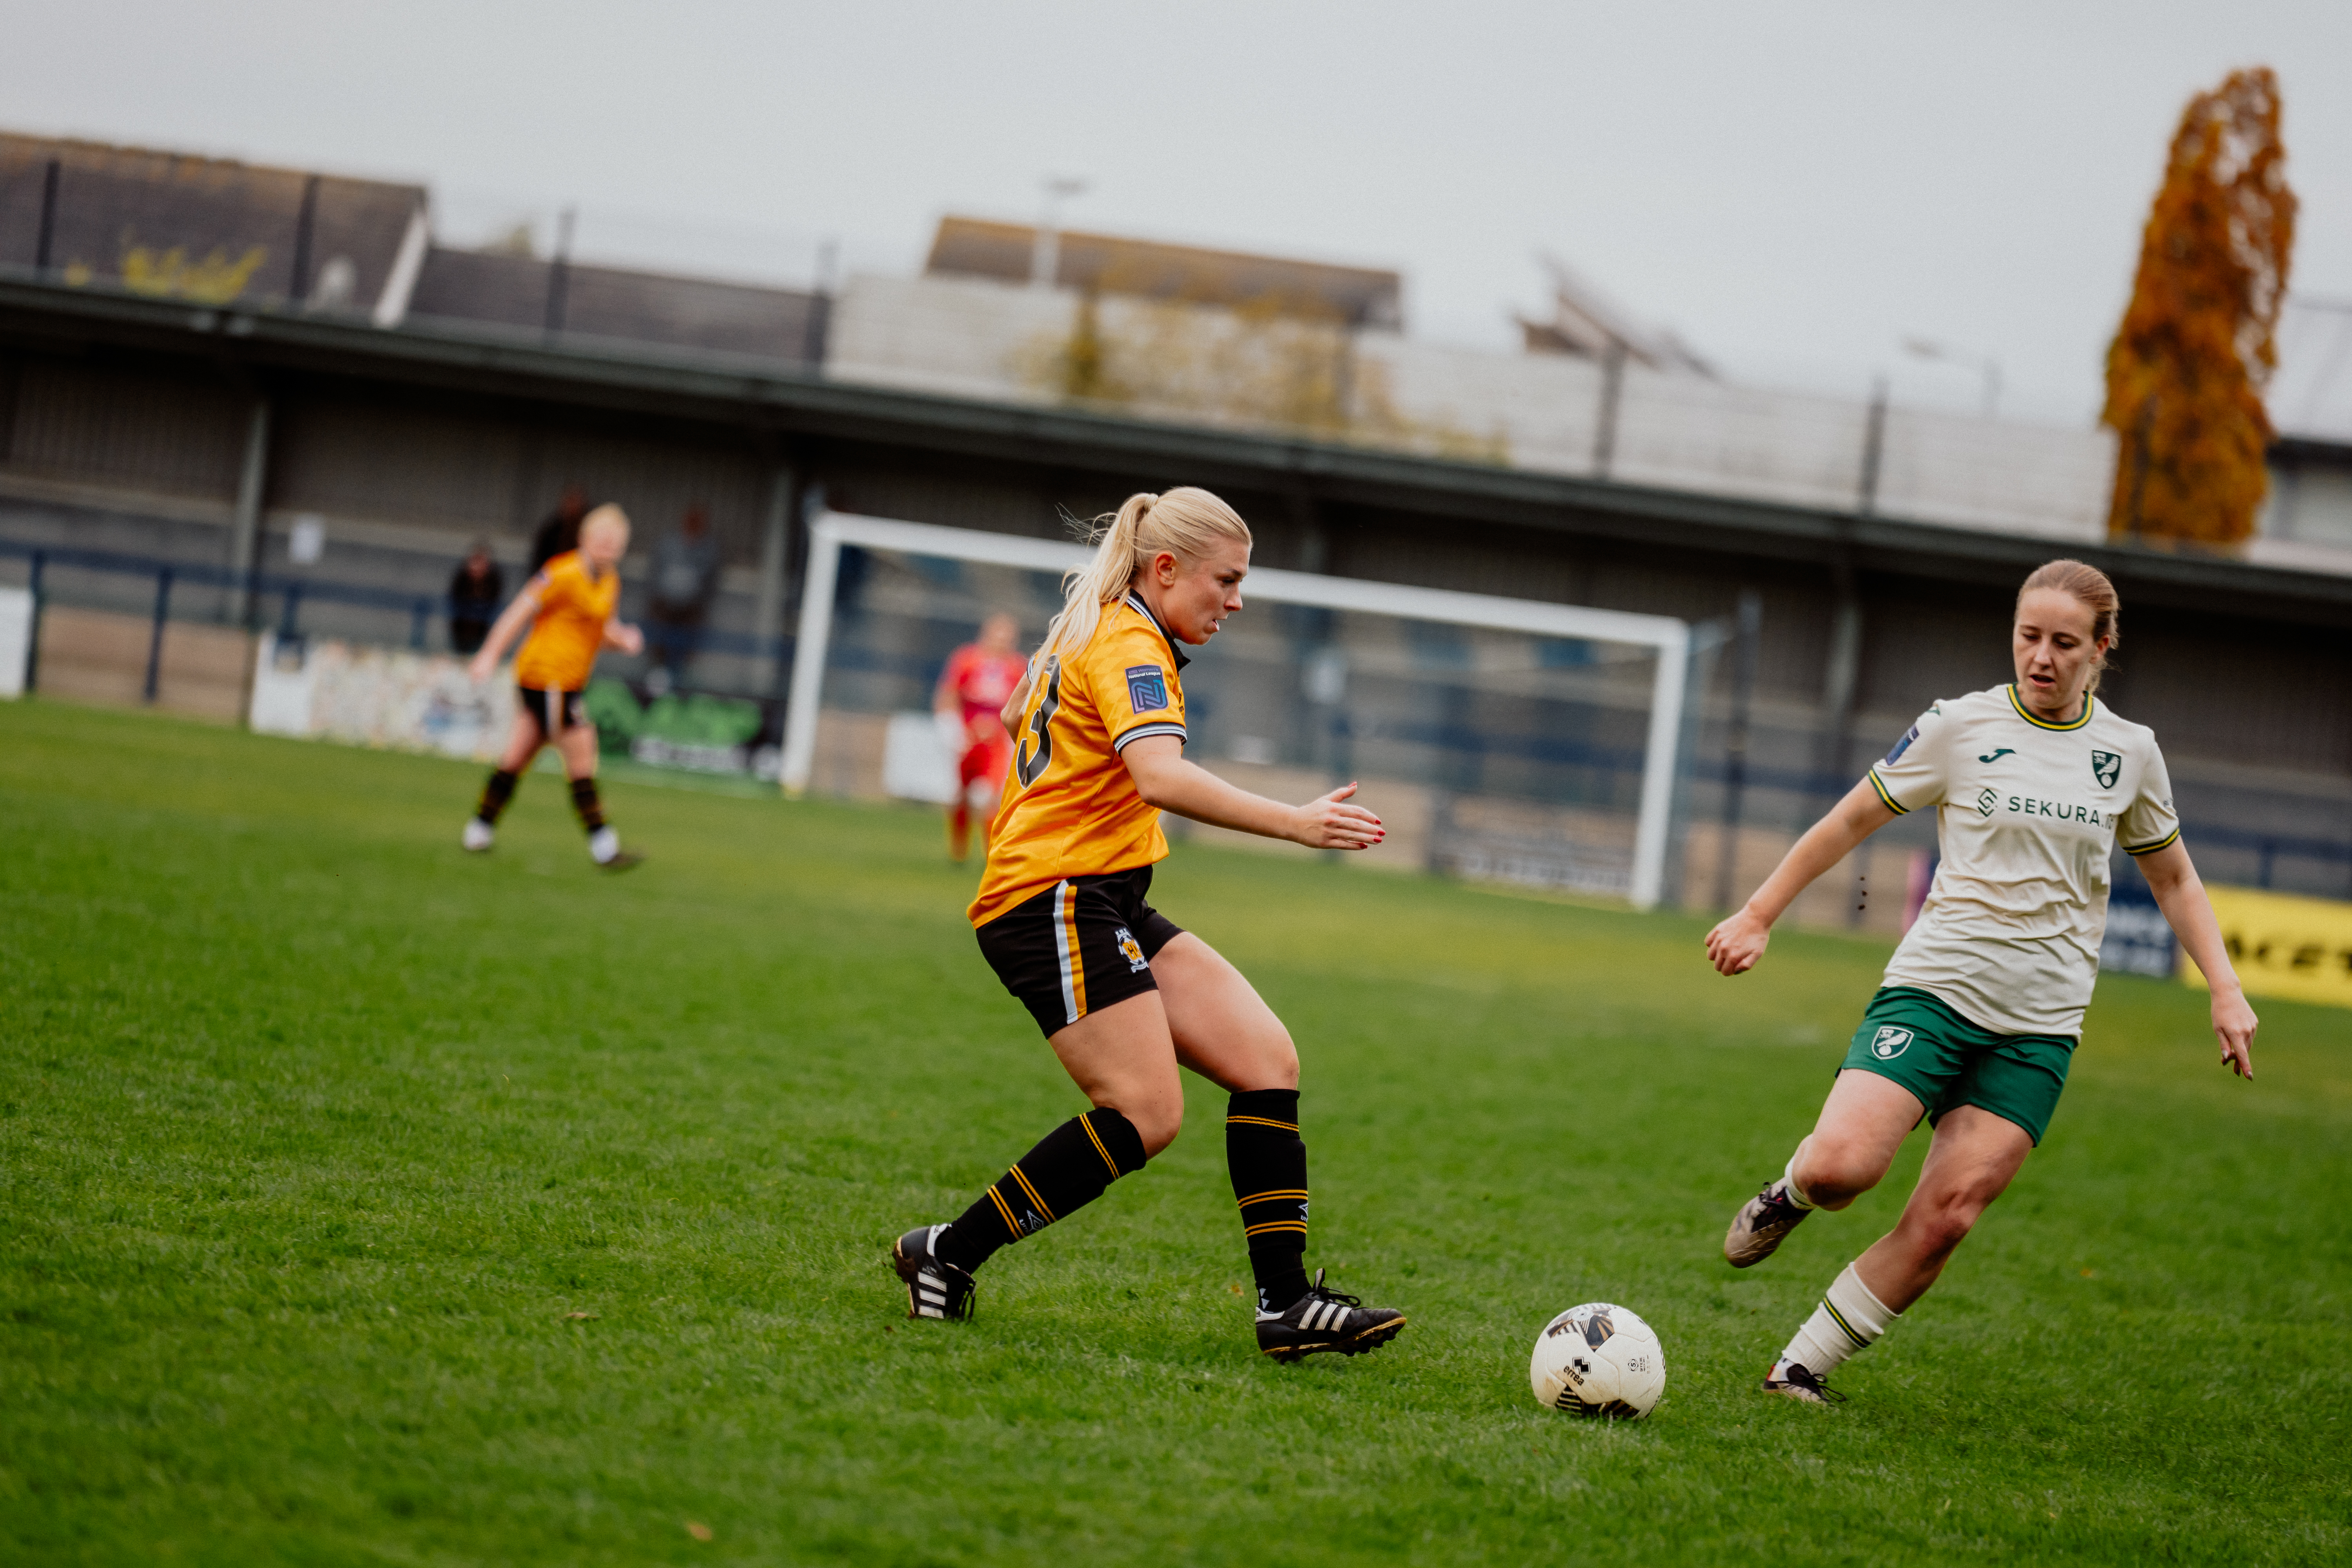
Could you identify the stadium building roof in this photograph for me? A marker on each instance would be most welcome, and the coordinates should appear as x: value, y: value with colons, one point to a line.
x: 210, y: 230
x: 2310, y: 398
x: 527, y: 293
x: 1360, y: 296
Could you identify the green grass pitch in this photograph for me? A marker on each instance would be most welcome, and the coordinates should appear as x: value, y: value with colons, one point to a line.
x: 365, y: 1202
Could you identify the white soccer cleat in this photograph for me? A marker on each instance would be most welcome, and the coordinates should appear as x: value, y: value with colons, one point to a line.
x: 478, y: 835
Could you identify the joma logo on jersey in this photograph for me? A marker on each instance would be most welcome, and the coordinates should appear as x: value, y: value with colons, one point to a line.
x: 2105, y: 767
x: 1890, y: 1042
x: 1147, y: 687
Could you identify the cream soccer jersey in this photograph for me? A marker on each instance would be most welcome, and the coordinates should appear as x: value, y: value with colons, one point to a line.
x: 2028, y: 815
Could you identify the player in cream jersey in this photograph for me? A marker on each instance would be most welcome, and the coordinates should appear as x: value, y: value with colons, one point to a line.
x: 2034, y: 786
x: 2028, y: 815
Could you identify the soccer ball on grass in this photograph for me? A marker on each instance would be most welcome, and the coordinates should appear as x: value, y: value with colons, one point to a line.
x: 1599, y: 1359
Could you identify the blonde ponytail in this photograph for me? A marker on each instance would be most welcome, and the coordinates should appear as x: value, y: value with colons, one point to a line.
x: 1187, y: 521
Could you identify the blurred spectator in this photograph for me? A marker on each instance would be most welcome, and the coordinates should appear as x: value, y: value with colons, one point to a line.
x: 561, y: 531
x: 685, y: 579
x: 474, y: 596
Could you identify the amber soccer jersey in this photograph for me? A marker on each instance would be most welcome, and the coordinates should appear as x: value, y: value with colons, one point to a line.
x: 2028, y: 813
x: 573, y: 607
x: 1070, y: 809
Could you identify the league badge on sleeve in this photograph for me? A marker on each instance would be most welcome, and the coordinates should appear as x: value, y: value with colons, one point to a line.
x: 2105, y: 767
x: 1147, y: 687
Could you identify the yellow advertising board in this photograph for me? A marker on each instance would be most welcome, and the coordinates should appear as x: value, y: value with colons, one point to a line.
x: 2284, y: 945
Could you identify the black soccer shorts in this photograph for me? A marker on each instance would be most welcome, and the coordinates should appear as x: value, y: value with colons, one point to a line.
x: 555, y: 710
x: 1078, y: 946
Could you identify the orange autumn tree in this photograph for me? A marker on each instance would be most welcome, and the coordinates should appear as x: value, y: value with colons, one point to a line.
x: 2186, y: 371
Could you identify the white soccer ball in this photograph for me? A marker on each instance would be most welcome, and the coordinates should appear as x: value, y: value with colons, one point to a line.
x: 1599, y: 1359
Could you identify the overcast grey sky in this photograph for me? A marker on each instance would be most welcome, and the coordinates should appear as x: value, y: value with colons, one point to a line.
x: 1793, y: 186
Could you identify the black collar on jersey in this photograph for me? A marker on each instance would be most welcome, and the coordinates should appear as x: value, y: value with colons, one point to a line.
x: 1173, y: 651
x: 2088, y: 703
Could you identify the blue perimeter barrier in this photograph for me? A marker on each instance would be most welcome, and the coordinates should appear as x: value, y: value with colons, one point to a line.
x: 292, y: 590
x: 421, y: 607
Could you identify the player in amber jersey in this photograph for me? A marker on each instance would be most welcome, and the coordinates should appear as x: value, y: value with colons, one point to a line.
x: 568, y: 604
x: 1122, y: 994
x: 980, y: 677
x: 2034, y: 786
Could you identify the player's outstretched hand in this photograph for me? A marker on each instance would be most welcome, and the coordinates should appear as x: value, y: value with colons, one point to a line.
x: 2234, y: 1023
x: 1735, y: 945
x: 479, y: 668
x: 627, y: 638
x: 1331, y: 823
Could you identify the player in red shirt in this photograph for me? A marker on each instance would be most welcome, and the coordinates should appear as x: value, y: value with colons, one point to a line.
x: 972, y: 691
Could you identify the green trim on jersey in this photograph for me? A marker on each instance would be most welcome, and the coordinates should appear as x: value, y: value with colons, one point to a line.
x: 2171, y: 837
x: 1880, y: 786
x: 2089, y: 702
x: 1918, y: 1039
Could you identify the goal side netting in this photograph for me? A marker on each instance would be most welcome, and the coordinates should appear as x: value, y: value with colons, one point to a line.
x: 1500, y: 739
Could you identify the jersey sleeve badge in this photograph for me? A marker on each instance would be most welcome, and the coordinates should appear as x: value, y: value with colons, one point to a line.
x: 1147, y: 687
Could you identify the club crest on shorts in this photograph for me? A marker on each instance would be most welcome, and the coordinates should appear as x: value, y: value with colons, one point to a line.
x: 1136, y: 962
x: 2105, y: 767
x: 1890, y: 1042
x: 1147, y: 687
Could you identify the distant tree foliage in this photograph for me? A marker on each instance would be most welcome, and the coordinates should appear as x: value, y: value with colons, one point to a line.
x: 2187, y: 368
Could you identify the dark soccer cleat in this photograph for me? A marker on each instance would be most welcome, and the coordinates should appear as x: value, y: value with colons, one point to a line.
x: 1326, y: 1320
x: 1793, y: 1382
x: 1759, y: 1225
x: 935, y: 1289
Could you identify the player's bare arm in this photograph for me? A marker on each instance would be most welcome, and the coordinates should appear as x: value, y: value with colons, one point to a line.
x: 503, y: 632
x: 1009, y: 714
x: 2172, y: 878
x: 1738, y: 941
x: 621, y: 635
x: 1166, y: 780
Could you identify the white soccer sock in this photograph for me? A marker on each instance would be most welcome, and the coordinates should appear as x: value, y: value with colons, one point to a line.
x: 1849, y: 1319
x: 1795, y: 1193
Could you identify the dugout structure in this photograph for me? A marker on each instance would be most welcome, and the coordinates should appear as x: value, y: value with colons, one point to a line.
x: 1663, y: 640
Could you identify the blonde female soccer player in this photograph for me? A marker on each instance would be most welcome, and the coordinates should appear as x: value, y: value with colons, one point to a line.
x: 1123, y: 994
x: 2033, y: 785
x: 568, y: 604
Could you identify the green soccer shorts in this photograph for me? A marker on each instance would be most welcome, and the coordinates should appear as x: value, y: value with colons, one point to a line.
x: 1917, y: 1040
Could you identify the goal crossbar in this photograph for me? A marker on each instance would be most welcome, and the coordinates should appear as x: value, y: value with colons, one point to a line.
x: 830, y: 531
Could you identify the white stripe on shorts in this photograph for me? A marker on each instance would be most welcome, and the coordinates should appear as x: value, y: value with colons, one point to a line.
x: 1066, y: 933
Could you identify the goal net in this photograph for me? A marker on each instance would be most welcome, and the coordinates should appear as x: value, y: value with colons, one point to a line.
x: 1499, y: 738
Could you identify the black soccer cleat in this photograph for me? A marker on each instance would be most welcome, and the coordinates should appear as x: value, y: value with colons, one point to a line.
x: 1760, y: 1225
x: 1326, y: 1320
x: 935, y: 1289
x: 1792, y: 1381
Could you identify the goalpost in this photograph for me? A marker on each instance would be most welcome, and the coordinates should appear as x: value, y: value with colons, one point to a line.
x: 1665, y: 635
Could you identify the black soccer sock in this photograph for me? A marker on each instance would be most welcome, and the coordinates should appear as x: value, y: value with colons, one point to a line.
x: 1070, y: 1168
x: 584, y: 801
x: 494, y: 795
x: 1267, y: 1160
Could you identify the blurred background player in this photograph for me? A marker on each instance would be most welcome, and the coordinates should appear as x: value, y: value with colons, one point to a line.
x: 475, y: 590
x: 979, y: 679
x: 685, y: 579
x: 568, y: 606
x: 2034, y: 785
x: 1122, y: 994
x: 561, y: 531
